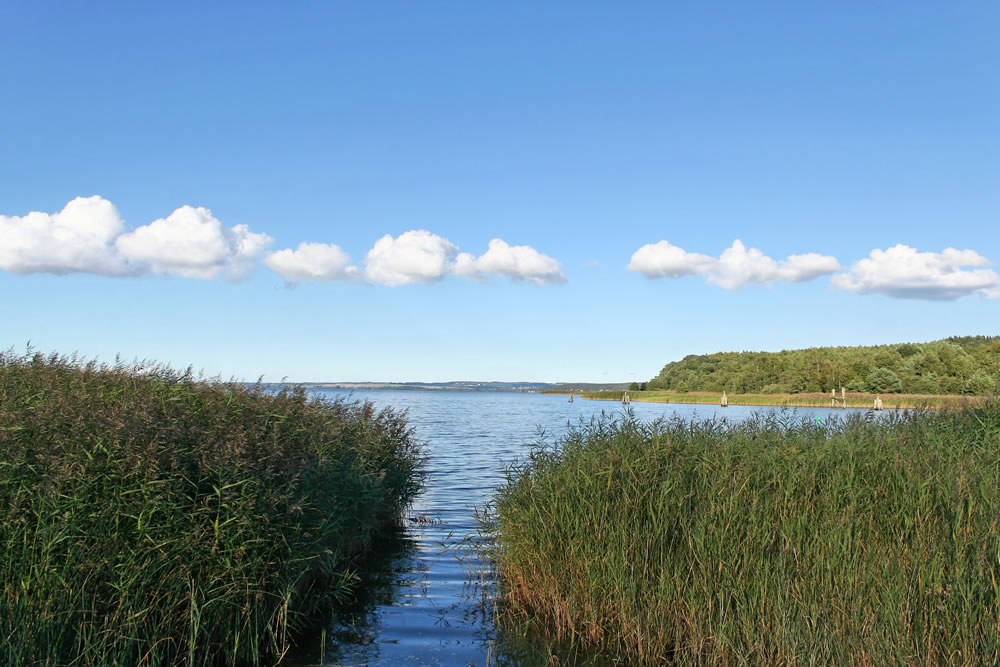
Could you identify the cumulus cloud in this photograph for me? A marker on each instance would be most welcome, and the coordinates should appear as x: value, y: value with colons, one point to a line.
x: 736, y: 267
x: 77, y: 239
x: 312, y: 261
x: 903, y: 273
x: 414, y: 256
x: 89, y: 236
x: 191, y: 242
x: 665, y: 260
x: 519, y: 262
x: 800, y: 268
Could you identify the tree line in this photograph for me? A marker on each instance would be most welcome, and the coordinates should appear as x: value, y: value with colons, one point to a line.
x: 956, y: 365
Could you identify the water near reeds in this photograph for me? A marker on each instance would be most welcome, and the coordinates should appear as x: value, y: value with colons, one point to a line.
x: 425, y: 604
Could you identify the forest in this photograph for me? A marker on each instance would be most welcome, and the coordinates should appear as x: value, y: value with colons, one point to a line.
x: 956, y: 365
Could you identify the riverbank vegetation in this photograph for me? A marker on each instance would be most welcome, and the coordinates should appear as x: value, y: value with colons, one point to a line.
x: 808, y: 400
x: 776, y: 540
x: 148, y: 517
x: 958, y: 365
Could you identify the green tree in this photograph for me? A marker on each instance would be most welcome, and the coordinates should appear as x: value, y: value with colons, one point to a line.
x: 980, y: 383
x: 884, y: 381
x: 939, y: 367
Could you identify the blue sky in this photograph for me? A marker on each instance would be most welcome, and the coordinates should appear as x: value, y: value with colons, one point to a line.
x: 520, y: 191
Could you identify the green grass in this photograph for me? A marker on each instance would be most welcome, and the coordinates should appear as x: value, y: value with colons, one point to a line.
x: 772, y: 541
x: 818, y: 400
x: 151, y: 518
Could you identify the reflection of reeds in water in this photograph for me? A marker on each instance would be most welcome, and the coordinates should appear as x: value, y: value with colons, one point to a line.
x: 359, y: 634
x: 775, y: 540
x: 150, y: 517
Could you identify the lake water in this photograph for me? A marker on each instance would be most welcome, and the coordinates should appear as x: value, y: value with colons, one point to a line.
x: 424, y: 605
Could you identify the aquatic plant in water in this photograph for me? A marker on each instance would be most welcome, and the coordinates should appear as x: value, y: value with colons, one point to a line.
x: 779, y: 540
x: 151, y: 517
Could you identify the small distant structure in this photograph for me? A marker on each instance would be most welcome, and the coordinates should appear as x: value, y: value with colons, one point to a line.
x: 626, y: 399
x: 725, y: 401
x: 570, y: 397
x: 878, y: 403
x: 842, y: 399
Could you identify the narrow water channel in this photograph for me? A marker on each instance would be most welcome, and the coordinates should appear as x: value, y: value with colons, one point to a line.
x: 424, y: 604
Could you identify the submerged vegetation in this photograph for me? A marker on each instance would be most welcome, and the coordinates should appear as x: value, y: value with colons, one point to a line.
x: 148, y: 517
x: 959, y: 365
x: 773, y: 540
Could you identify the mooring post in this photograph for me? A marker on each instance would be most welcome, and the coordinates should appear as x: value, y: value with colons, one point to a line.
x: 725, y: 401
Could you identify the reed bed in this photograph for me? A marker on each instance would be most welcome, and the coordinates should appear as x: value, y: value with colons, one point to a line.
x: 805, y: 400
x: 148, y: 517
x: 777, y: 540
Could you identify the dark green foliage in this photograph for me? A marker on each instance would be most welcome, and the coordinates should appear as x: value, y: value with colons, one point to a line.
x: 941, y: 367
x: 883, y: 381
x: 772, y: 541
x: 148, y: 517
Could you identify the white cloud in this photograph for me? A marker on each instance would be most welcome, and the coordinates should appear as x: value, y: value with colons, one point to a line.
x: 312, y: 261
x: 903, y: 273
x: 88, y: 236
x: 414, y: 256
x: 191, y: 242
x: 519, y: 262
x: 77, y: 239
x: 664, y: 260
x: 247, y: 248
x: 800, y: 268
x: 736, y: 267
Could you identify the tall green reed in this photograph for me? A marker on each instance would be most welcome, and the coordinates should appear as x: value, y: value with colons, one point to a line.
x: 775, y: 540
x: 150, y: 517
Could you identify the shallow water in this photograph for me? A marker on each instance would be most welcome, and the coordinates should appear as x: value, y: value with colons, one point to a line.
x: 424, y: 604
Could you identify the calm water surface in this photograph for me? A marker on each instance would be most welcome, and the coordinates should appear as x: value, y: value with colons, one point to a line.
x: 424, y: 604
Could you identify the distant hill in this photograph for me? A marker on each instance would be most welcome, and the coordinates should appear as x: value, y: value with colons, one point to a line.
x: 458, y: 385
x: 462, y: 385
x: 566, y: 387
x: 957, y: 365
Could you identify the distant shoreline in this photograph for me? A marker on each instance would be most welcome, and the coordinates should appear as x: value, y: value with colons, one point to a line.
x: 811, y: 400
x: 463, y: 385
x: 807, y: 400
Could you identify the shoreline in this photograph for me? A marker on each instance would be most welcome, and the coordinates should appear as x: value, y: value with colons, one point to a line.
x: 861, y: 401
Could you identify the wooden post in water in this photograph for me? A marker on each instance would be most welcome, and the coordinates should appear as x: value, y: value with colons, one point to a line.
x: 878, y: 403
x: 833, y: 398
x: 843, y: 398
x: 570, y: 397
x: 725, y: 401
x: 625, y: 399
